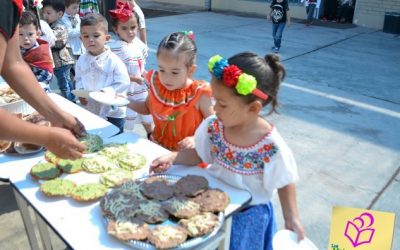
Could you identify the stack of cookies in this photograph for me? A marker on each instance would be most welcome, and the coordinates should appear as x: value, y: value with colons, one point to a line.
x: 162, y: 210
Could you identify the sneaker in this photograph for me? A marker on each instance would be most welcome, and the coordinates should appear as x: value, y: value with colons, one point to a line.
x: 276, y: 50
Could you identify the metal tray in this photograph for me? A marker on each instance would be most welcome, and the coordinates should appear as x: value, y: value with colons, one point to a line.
x: 188, y: 244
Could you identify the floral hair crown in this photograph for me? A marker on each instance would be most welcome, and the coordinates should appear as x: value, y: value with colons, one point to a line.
x: 122, y: 12
x: 234, y: 77
x: 189, y: 34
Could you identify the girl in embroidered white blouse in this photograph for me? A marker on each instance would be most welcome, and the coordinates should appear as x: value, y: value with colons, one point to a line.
x: 241, y: 148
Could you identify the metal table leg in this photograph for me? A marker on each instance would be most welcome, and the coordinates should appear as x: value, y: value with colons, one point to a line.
x: 44, y: 232
x: 225, y: 242
x: 26, y: 218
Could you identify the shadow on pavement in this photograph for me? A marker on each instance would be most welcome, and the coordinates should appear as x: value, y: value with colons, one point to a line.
x: 7, y: 201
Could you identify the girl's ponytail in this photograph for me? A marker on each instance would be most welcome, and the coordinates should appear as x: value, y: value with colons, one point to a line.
x: 279, y: 74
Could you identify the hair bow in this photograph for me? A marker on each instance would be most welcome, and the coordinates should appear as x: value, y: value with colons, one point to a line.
x: 189, y: 34
x: 122, y: 12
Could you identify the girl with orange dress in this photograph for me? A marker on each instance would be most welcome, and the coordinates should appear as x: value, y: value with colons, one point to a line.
x: 177, y: 103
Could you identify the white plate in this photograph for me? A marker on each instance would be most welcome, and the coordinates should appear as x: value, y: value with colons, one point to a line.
x: 287, y: 240
x: 81, y: 93
x: 108, y: 98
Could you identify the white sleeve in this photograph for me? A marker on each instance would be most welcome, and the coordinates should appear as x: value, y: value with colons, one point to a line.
x: 139, y: 12
x: 121, y: 79
x: 282, y: 170
x: 47, y: 33
x: 202, y: 141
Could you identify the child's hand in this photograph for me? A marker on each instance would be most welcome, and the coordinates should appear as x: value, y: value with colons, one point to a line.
x: 83, y: 101
x: 294, y: 224
x: 187, y: 143
x: 162, y: 163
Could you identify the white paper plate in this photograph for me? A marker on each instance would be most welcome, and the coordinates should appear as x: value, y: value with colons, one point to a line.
x: 108, y: 98
x: 287, y: 240
x: 81, y: 93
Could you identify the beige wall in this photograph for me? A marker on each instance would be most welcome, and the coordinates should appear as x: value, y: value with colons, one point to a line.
x: 371, y: 13
x: 368, y: 13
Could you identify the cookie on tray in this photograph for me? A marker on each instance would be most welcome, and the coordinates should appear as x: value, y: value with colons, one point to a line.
x: 115, y: 177
x: 213, y: 200
x: 199, y: 225
x: 92, y: 142
x: 182, y: 207
x: 151, y: 212
x: 119, y: 205
x: 132, y: 229
x: 164, y: 237
x: 98, y: 164
x: 89, y: 192
x: 157, y: 188
x: 131, y: 161
x: 191, y: 185
x: 132, y: 188
x: 57, y: 187
x: 45, y: 171
x: 70, y: 166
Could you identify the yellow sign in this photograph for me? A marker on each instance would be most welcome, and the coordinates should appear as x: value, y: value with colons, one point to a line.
x: 361, y: 229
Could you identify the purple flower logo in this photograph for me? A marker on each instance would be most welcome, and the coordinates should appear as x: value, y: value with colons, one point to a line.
x: 359, y: 230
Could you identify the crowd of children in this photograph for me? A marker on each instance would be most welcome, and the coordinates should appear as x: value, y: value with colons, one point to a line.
x: 217, y: 124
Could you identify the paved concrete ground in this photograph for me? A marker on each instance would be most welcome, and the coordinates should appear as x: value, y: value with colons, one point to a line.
x: 340, y: 113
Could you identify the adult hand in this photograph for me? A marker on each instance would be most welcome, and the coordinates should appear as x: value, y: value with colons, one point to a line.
x: 294, y: 224
x: 64, y: 144
x: 162, y: 163
x: 66, y: 120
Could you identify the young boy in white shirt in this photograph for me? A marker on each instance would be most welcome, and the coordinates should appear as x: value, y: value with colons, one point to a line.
x: 99, y: 69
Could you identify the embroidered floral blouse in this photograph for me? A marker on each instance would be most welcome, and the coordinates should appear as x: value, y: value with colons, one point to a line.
x: 260, y: 168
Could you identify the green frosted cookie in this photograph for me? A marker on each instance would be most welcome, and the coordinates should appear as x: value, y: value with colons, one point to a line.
x: 45, y: 171
x: 93, y: 142
x: 131, y: 161
x: 114, y: 150
x: 115, y: 177
x: 57, y: 187
x: 98, y: 164
x: 70, y: 166
x: 89, y: 192
x: 51, y: 157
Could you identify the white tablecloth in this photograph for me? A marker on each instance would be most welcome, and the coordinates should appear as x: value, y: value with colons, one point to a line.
x: 81, y: 224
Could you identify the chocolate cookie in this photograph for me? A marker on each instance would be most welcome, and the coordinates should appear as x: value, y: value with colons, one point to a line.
x: 213, y: 200
x: 132, y: 229
x: 132, y: 188
x: 151, y: 212
x: 157, y: 188
x: 163, y: 237
x: 199, y: 225
x: 182, y: 207
x: 190, y: 185
x: 117, y: 205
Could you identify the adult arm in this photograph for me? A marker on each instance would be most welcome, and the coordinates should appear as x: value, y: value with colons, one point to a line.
x: 287, y: 197
x: 20, y: 77
x: 143, y: 35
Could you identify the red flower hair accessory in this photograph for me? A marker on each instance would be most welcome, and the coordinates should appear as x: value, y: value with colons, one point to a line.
x: 230, y: 75
x: 122, y: 12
